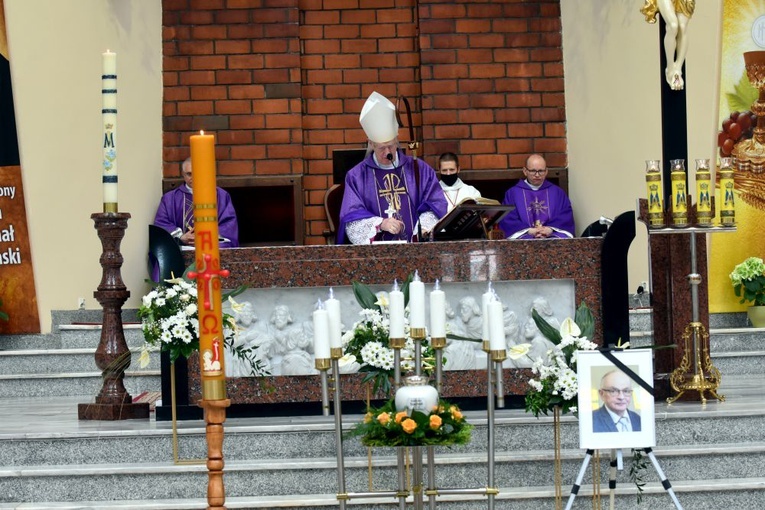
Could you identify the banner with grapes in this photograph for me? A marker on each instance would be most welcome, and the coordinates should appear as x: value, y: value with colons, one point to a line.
x: 743, y: 30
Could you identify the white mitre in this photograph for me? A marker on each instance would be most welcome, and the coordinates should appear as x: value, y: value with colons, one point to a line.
x: 378, y: 118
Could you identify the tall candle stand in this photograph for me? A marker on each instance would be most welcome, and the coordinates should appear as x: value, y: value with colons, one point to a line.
x: 695, y: 372
x: 113, y: 402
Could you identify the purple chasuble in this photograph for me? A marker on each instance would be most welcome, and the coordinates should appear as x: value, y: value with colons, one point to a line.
x: 548, y: 206
x: 370, y: 191
x: 176, y: 211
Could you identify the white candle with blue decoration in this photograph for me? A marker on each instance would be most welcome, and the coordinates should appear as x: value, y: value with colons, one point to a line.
x: 109, y: 115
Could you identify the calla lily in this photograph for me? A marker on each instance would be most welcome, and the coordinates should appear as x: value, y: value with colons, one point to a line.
x: 237, y: 307
x: 518, y: 351
x: 144, y: 359
x: 382, y: 301
x: 569, y: 328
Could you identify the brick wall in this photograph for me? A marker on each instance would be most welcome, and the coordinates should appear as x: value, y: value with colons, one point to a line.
x: 281, y: 82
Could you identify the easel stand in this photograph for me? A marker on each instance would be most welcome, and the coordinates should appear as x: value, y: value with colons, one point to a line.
x: 617, y: 465
x: 416, y: 489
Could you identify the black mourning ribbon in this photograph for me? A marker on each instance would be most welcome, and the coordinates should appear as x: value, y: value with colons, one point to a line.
x: 608, y: 352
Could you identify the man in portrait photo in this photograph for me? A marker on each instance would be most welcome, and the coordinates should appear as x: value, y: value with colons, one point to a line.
x: 616, y: 394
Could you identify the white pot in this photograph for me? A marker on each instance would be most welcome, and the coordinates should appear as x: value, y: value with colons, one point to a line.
x: 416, y: 395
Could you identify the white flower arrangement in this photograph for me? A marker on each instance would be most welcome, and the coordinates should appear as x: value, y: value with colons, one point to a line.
x: 556, y: 384
x: 170, y: 323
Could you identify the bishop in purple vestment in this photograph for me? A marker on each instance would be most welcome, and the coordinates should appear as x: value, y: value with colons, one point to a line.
x: 382, y: 200
x: 375, y: 193
x: 176, y: 213
x: 542, y: 209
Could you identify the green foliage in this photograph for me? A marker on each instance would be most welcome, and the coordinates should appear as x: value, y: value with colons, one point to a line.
x: 443, y: 426
x: 743, y: 96
x: 748, y: 280
x: 638, y: 472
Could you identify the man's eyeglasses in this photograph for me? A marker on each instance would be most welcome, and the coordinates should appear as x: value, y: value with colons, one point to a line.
x: 616, y: 391
x: 534, y: 171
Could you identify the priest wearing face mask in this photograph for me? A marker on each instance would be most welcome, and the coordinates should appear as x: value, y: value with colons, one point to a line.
x: 382, y: 200
x: 455, y: 190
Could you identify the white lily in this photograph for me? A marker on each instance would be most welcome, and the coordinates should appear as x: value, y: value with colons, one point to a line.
x: 518, y: 351
x: 144, y: 359
x: 382, y: 300
x: 569, y: 328
x: 236, y: 307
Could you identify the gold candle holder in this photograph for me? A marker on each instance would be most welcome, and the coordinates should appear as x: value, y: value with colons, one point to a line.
x: 655, y: 191
x: 679, y: 194
x: 498, y: 355
x: 703, y: 193
x: 727, y: 187
x: 336, y: 352
x: 397, y: 343
x: 437, y: 343
x: 323, y: 364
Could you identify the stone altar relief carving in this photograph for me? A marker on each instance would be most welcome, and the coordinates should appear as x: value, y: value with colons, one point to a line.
x: 285, y: 340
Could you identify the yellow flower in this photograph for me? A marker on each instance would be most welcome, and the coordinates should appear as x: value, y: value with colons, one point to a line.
x: 368, y: 417
x: 144, y: 359
x: 400, y: 416
x: 456, y: 413
x: 384, y: 418
x: 409, y: 425
x: 435, y: 421
x: 518, y: 351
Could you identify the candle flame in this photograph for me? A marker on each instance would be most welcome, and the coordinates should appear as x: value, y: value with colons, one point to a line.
x: 331, y: 293
x: 416, y: 276
x: 395, y: 284
x: 319, y: 305
x: 202, y: 132
x: 489, y: 287
x: 437, y: 285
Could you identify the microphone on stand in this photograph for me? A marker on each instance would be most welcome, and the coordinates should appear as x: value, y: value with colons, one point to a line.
x: 389, y: 157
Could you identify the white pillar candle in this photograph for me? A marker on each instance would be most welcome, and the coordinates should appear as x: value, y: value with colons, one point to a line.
x: 109, y: 116
x: 437, y: 312
x: 496, y: 326
x: 485, y: 300
x: 335, y: 324
x: 396, y: 304
x: 417, y: 302
x: 321, y: 333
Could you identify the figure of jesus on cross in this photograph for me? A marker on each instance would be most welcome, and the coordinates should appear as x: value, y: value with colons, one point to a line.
x: 676, y: 14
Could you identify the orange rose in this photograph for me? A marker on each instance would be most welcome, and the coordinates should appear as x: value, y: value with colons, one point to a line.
x: 456, y: 413
x: 400, y: 416
x: 435, y: 421
x: 409, y: 425
x: 384, y: 418
x: 367, y: 417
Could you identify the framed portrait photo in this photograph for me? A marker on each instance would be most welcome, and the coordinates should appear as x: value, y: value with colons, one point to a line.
x: 615, y: 411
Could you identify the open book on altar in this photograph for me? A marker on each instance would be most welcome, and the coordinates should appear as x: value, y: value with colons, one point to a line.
x: 472, y: 218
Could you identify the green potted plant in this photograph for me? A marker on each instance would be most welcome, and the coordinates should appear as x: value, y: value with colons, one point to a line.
x: 748, y: 279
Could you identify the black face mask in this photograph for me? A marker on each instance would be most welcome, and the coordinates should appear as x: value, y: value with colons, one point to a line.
x: 449, y: 179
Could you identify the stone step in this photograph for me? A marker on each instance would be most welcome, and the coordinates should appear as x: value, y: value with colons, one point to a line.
x: 79, y: 336
x: 61, y: 361
x: 284, y: 438
x: 84, y: 383
x: 290, y: 477
x: 739, y: 363
x: 700, y: 495
x: 737, y: 339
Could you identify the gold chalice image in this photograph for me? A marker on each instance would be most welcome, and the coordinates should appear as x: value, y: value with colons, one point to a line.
x: 750, y: 154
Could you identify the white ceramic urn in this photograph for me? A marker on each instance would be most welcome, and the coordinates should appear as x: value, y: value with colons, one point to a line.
x: 416, y: 395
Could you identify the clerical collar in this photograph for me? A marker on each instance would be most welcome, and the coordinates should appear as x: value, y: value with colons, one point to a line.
x: 189, y: 188
x: 386, y: 166
x: 535, y: 188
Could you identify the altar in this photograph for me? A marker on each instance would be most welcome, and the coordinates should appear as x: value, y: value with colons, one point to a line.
x: 570, y: 267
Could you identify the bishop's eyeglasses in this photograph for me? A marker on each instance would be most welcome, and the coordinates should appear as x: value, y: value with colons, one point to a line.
x: 535, y: 171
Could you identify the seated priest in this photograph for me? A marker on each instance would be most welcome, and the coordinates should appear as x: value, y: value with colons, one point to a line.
x: 382, y: 200
x: 455, y: 190
x: 542, y: 209
x: 176, y: 213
